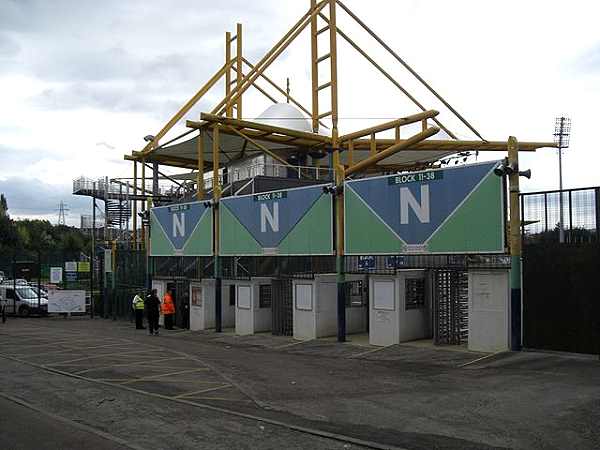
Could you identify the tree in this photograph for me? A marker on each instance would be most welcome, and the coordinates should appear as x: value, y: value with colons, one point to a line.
x: 3, y: 206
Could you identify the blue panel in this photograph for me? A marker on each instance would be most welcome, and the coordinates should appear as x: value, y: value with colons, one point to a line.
x: 179, y: 221
x: 446, y: 188
x: 269, y: 217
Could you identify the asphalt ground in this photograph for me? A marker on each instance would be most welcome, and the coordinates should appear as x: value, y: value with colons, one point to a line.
x: 207, y: 390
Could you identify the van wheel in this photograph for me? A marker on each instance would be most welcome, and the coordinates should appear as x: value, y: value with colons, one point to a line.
x: 24, y: 311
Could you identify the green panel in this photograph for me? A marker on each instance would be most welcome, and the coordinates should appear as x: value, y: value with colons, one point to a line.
x: 312, y: 235
x: 200, y: 242
x: 159, y: 243
x: 476, y: 226
x: 366, y: 234
x: 234, y: 238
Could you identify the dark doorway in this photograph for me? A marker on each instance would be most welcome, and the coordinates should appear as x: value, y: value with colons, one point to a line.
x: 181, y: 292
x: 281, y: 304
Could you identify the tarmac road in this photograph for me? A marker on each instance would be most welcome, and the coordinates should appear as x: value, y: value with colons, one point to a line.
x: 23, y: 428
x: 205, y: 390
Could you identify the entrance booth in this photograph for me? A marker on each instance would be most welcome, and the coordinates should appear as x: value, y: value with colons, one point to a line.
x: 489, y: 310
x: 400, y: 307
x: 202, y: 305
x: 253, y: 309
x: 315, y: 306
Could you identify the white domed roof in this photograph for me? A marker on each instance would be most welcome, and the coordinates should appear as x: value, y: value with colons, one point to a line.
x: 286, y: 116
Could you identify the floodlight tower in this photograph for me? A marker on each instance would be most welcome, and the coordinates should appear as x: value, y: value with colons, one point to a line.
x: 562, y: 135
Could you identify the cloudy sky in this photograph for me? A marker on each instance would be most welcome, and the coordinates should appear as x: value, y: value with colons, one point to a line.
x: 81, y: 82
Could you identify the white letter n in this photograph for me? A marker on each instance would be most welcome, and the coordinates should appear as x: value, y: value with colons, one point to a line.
x: 266, y: 216
x: 179, y: 225
x: 421, y: 210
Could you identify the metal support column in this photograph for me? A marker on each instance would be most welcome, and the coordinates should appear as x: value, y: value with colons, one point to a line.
x: 217, y: 264
x: 516, y: 305
x: 93, y: 257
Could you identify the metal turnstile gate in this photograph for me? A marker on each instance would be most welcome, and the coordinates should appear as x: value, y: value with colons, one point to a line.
x: 282, y: 303
x: 450, y: 307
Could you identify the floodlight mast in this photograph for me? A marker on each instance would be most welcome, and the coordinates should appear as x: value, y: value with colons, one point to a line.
x: 562, y: 135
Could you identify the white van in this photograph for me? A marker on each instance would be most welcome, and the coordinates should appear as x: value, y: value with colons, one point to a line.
x: 23, y: 300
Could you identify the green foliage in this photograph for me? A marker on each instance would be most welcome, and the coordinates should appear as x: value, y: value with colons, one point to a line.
x: 30, y: 238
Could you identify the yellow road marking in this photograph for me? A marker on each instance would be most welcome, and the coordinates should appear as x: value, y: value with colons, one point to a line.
x: 187, y: 394
x: 62, y: 363
x: 369, y: 351
x: 291, y: 344
x: 137, y: 363
x: 56, y: 352
x: 153, y: 377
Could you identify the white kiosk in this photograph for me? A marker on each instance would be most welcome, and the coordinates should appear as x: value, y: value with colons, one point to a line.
x: 202, y: 305
x: 399, y: 307
x: 253, y: 306
x: 315, y: 308
x: 489, y: 311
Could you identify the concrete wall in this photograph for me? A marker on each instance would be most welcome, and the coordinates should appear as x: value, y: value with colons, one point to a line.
x: 389, y: 320
x: 244, y: 312
x: 489, y: 311
x: 305, y: 322
x: 250, y: 318
x: 383, y: 311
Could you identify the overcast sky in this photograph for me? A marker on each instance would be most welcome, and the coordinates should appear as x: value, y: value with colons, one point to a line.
x: 81, y: 82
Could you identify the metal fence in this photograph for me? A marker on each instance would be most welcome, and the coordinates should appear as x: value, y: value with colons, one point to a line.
x: 78, y: 273
x: 540, y: 215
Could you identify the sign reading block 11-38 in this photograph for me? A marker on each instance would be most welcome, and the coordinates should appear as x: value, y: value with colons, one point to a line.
x: 184, y: 229
x: 287, y: 222
x: 454, y: 210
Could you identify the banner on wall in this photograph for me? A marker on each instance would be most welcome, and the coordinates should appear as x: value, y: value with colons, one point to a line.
x: 295, y: 221
x: 184, y: 229
x: 454, y: 210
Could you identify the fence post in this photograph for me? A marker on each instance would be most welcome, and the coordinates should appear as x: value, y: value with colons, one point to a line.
x: 597, y: 197
x: 515, y: 248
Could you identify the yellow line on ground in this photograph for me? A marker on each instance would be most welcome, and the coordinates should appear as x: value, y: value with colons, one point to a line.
x: 291, y: 344
x: 153, y: 377
x: 187, y: 394
x: 369, y: 351
x: 137, y: 363
x: 119, y: 355
x: 480, y: 359
x: 56, y: 352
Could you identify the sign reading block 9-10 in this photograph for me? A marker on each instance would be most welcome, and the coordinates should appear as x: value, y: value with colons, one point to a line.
x: 288, y: 222
x: 454, y: 210
x: 184, y: 229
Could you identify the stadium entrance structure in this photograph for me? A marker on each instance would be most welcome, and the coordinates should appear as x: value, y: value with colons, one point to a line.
x: 287, y: 196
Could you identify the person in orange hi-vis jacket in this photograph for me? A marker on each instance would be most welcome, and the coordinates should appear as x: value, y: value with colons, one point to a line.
x: 168, y: 310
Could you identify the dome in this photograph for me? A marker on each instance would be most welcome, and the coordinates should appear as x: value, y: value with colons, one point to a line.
x: 286, y: 116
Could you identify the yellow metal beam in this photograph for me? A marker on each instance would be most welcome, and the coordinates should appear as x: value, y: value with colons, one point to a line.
x: 212, y: 118
x: 389, y: 125
x: 238, y: 66
x: 185, y: 108
x: 271, y: 56
x: 407, y: 67
x: 374, y: 159
x: 264, y: 149
x: 200, y: 175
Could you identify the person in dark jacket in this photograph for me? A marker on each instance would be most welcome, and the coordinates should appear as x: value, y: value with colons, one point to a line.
x: 153, y: 311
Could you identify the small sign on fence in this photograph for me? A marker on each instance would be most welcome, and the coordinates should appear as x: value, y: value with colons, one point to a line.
x: 71, y: 266
x: 62, y: 301
x: 56, y: 275
x: 83, y: 266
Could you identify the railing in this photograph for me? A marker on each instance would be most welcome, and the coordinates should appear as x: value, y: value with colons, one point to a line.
x: 282, y: 171
x: 541, y: 215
